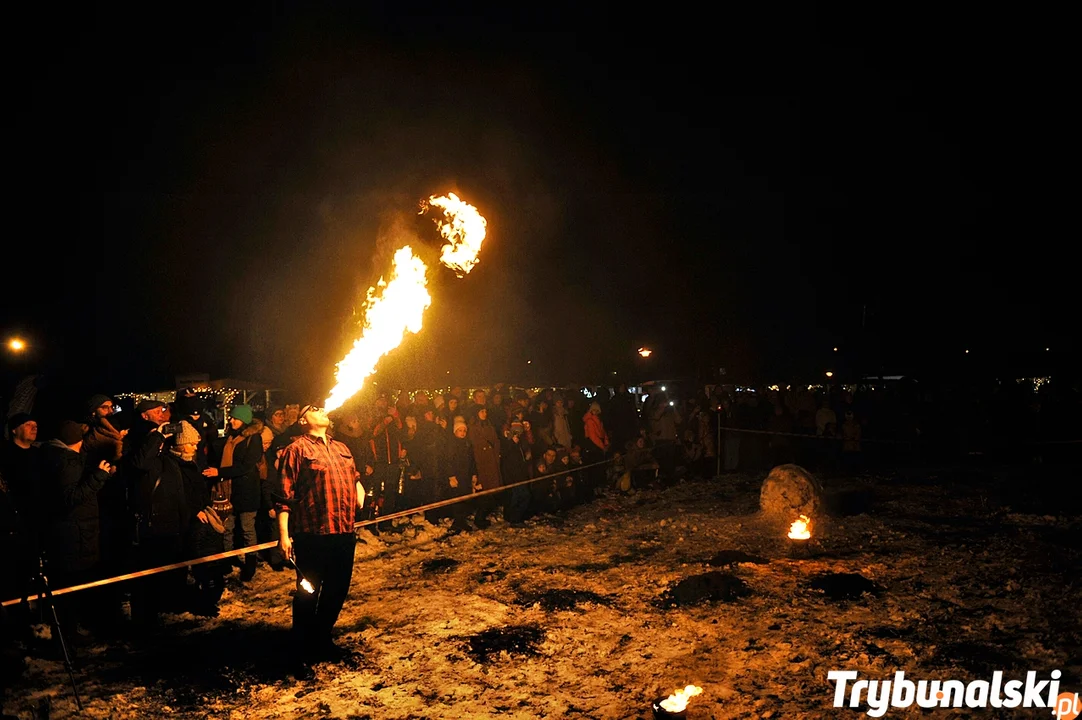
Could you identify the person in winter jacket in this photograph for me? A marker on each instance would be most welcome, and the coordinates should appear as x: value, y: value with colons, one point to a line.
x: 486, y: 454
x: 460, y: 475
x: 206, y: 530
x: 69, y: 497
x: 596, y: 446
x: 516, y: 459
x: 239, y: 467
x: 161, y: 513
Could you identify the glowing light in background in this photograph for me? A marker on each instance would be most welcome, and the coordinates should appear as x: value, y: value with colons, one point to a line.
x: 645, y: 352
x: 16, y: 345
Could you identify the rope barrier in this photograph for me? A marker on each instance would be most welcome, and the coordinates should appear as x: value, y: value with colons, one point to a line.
x: 274, y: 543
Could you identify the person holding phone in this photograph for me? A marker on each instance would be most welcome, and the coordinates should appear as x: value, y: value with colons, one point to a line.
x: 161, y: 515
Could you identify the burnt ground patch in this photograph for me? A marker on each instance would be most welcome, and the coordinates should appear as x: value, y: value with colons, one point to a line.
x: 437, y: 566
x: 188, y: 672
x: 728, y: 558
x: 715, y: 586
x: 844, y: 586
x: 560, y: 599
x: 518, y: 640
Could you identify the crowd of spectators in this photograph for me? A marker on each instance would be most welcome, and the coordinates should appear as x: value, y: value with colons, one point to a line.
x: 105, y: 497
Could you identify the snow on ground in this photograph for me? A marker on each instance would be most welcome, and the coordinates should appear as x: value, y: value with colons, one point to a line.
x: 959, y: 584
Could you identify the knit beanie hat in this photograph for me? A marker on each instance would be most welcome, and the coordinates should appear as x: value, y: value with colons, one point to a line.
x: 459, y: 420
x: 70, y: 432
x: 187, y: 434
x: 18, y: 419
x: 96, y: 401
x: 242, y: 413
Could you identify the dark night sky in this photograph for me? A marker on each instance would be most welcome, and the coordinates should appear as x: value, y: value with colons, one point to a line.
x: 205, y: 192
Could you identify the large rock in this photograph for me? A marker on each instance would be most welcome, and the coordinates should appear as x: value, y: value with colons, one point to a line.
x: 788, y: 492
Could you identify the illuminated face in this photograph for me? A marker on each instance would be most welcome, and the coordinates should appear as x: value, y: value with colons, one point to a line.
x: 479, y: 397
x: 482, y: 414
x: 550, y: 456
x: 235, y: 423
x: 157, y: 415
x: 104, y: 410
x: 27, y: 432
x: 187, y: 451
x: 411, y: 424
x: 278, y: 419
x: 316, y: 418
x: 460, y: 431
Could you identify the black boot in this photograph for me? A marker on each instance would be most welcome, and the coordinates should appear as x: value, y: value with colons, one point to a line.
x: 248, y: 570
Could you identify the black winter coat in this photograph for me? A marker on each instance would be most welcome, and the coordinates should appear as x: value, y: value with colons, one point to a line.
x: 514, y: 465
x: 70, y: 508
x: 244, y: 472
x: 158, y: 489
x: 459, y: 464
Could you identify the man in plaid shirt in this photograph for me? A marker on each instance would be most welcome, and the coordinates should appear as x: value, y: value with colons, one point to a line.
x: 321, y: 490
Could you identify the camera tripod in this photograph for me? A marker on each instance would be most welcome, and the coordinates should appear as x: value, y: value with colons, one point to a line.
x: 38, y: 587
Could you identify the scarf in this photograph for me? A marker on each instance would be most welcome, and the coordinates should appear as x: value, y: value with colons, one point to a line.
x: 230, y: 446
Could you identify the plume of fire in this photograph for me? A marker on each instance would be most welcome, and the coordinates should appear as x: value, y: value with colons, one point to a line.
x: 800, y: 529
x: 397, y: 306
x: 393, y: 308
x: 464, y: 229
x: 678, y: 701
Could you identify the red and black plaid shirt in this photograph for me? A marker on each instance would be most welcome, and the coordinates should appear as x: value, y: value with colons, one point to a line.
x: 319, y: 484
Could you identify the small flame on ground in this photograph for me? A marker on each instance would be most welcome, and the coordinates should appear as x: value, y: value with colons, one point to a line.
x: 800, y: 529
x: 307, y: 586
x: 678, y: 701
x: 464, y: 229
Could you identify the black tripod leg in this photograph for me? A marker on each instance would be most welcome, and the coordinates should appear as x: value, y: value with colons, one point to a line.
x: 47, y: 597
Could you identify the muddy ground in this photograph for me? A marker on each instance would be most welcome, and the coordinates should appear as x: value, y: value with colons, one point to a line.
x: 943, y: 573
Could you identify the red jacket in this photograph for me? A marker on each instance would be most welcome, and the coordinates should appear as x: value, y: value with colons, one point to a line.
x: 595, y: 430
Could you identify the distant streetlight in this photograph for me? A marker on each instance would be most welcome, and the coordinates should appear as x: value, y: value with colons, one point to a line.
x: 1047, y: 349
x: 645, y: 352
x: 835, y: 349
x: 16, y: 345
x: 830, y: 374
x: 967, y: 352
x: 529, y: 362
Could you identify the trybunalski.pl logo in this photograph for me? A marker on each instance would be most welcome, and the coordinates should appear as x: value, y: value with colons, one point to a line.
x: 882, y: 695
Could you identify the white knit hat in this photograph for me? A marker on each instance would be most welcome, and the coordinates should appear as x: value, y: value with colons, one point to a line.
x: 187, y: 434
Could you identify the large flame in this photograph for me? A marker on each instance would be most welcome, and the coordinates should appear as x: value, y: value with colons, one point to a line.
x: 464, y: 229
x: 394, y: 308
x: 800, y: 529
x: 397, y: 306
x: 678, y: 701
